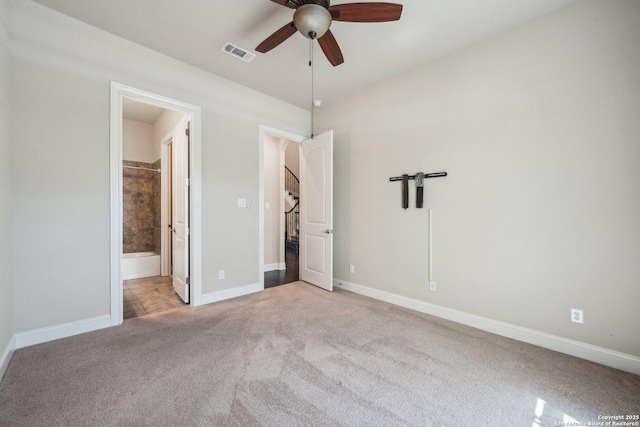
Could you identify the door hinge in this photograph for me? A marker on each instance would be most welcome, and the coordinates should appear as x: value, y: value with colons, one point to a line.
x: 186, y: 131
x: 187, y: 181
x: 188, y: 280
x: 188, y: 231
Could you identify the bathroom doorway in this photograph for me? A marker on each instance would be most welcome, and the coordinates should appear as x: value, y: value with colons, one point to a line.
x: 151, y: 137
x: 155, y: 203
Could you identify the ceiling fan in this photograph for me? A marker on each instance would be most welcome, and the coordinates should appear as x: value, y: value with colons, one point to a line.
x: 312, y: 18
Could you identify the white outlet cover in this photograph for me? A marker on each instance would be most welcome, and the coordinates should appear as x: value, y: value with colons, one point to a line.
x: 432, y: 285
x: 577, y: 315
x: 352, y: 268
x: 221, y: 274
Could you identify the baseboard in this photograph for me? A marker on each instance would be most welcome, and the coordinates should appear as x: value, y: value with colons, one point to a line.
x: 150, y: 273
x: 7, y: 354
x: 212, y: 297
x: 603, y: 356
x: 275, y: 266
x: 50, y: 333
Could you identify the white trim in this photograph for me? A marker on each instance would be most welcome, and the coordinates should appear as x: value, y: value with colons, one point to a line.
x: 231, y: 293
x: 50, y: 333
x: 195, y: 182
x: 165, y: 187
x: 7, y: 354
x: 275, y: 266
x: 614, y: 359
x: 282, y: 150
x: 118, y: 91
x: 262, y: 132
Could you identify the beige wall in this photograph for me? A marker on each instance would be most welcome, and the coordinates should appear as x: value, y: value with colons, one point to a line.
x: 62, y: 72
x: 6, y: 198
x: 138, y: 141
x: 272, y: 237
x: 162, y: 127
x: 292, y: 158
x: 539, y: 132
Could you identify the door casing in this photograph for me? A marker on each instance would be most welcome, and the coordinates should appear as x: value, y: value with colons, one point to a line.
x: 277, y: 133
x: 117, y: 92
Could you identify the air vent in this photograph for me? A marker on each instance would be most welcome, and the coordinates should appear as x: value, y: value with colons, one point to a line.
x: 238, y: 52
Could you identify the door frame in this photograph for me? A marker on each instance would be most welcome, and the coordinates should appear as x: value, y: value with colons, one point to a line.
x: 276, y: 133
x: 165, y: 205
x: 117, y: 92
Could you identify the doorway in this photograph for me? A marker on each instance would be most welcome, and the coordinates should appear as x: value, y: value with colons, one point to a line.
x: 315, y: 235
x: 154, y: 205
x: 170, y: 256
x: 281, y: 211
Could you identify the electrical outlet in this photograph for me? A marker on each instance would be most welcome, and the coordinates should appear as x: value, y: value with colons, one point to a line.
x: 577, y: 315
x: 352, y: 268
x: 432, y: 285
x: 220, y: 274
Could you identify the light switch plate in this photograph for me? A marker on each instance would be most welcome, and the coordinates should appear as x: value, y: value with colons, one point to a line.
x: 242, y: 203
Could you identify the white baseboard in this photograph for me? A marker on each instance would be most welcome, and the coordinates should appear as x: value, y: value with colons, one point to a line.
x: 50, y: 333
x: 142, y: 275
x: 611, y: 358
x: 7, y: 354
x: 275, y: 266
x: 230, y: 293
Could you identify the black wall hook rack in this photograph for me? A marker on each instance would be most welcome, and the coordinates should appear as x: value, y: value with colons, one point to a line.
x: 426, y: 175
x: 419, y: 179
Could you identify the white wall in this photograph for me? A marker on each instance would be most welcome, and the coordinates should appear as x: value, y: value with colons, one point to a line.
x: 138, y: 141
x: 539, y: 132
x: 272, y: 237
x: 62, y: 71
x: 6, y: 194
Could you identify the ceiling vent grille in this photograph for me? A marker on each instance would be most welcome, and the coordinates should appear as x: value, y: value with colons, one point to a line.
x: 238, y: 52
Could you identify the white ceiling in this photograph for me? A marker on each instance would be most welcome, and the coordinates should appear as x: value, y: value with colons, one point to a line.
x: 140, y: 112
x: 194, y: 32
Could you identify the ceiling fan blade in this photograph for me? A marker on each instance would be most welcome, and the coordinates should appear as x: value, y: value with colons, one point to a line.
x: 276, y: 38
x: 366, y: 12
x: 291, y: 4
x: 331, y: 49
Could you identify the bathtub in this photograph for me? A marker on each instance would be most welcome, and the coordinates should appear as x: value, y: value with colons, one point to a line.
x: 140, y: 264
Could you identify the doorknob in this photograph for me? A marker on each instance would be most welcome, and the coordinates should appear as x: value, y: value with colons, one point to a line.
x: 328, y: 231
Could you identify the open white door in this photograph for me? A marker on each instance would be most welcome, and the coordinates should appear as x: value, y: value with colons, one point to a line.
x: 180, y: 208
x: 316, y: 211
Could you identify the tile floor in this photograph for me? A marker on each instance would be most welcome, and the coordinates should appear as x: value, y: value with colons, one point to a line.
x: 149, y: 295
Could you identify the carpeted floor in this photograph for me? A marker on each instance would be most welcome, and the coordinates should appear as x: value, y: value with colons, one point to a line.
x: 297, y: 355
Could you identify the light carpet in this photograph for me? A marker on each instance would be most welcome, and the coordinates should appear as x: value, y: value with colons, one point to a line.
x: 297, y: 355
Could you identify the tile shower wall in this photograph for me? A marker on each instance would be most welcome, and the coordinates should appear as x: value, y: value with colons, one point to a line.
x: 141, y: 203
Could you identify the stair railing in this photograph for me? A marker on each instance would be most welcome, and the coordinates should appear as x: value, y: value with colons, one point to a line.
x: 291, y: 183
x: 292, y: 217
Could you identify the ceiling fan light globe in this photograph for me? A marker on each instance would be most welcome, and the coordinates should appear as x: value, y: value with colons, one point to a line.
x: 312, y: 21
